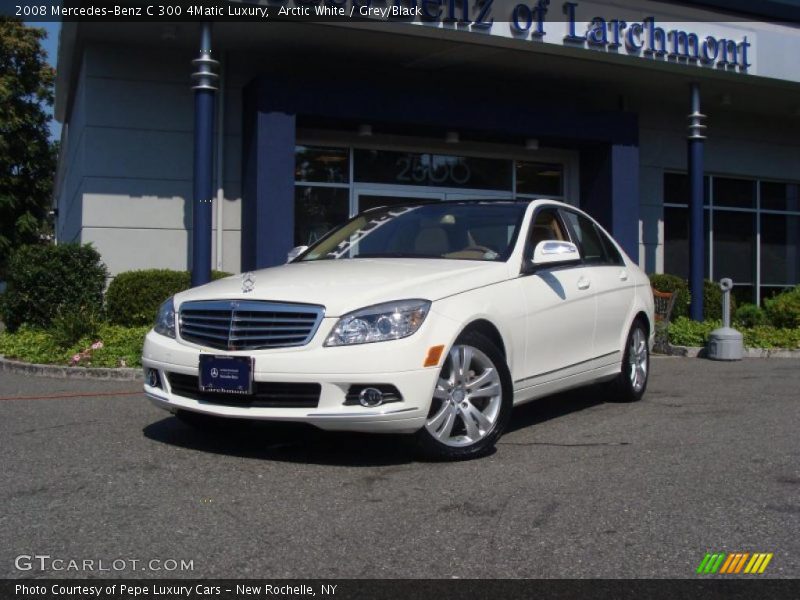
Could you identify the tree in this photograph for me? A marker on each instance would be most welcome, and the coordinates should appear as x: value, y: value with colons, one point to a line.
x: 27, y: 157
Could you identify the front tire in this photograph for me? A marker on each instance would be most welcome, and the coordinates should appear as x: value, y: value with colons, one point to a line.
x: 471, y: 403
x: 631, y: 383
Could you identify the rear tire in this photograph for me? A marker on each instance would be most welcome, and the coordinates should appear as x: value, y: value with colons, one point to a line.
x: 631, y: 383
x: 471, y: 404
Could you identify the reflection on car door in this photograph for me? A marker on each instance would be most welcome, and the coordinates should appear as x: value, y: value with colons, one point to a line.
x: 613, y: 285
x: 560, y: 310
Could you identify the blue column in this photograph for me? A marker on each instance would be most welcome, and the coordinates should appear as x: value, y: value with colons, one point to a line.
x: 609, y: 177
x: 695, y: 168
x: 625, y: 198
x: 268, y: 185
x: 203, y: 193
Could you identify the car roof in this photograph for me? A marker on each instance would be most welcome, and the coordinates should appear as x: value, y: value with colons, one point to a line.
x: 482, y: 201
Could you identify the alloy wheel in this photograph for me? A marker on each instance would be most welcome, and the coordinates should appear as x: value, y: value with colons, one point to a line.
x: 467, y: 399
x: 637, y: 359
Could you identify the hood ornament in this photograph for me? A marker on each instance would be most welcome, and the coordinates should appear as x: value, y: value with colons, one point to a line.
x: 248, y: 282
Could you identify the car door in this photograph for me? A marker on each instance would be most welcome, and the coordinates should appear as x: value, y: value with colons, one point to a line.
x: 614, y: 287
x: 559, y: 309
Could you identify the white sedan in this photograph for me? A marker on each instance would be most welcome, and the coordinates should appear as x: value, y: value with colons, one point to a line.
x: 432, y: 319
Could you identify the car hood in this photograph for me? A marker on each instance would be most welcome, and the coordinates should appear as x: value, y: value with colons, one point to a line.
x: 342, y: 286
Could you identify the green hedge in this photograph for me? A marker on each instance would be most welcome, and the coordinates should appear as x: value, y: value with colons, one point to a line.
x: 685, y: 332
x: 712, y: 296
x: 121, y: 347
x: 133, y: 297
x: 45, y: 281
x: 784, y: 309
x: 750, y: 315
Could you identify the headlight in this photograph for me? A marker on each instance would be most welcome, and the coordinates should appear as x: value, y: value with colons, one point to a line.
x: 165, y: 320
x: 379, y: 323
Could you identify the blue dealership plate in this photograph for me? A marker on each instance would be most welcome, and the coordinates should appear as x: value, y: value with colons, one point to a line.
x: 226, y: 374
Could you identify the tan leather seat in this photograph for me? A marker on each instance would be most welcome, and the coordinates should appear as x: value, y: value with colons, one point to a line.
x: 431, y: 240
x: 541, y: 233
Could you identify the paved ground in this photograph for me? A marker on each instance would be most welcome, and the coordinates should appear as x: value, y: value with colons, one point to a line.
x: 708, y: 461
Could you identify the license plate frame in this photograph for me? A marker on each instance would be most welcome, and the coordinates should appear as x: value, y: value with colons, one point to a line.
x: 224, y: 374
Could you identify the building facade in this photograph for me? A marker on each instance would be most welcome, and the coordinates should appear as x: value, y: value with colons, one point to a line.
x: 583, y: 102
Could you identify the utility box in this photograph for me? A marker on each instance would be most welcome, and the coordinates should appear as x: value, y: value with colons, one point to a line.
x: 725, y: 343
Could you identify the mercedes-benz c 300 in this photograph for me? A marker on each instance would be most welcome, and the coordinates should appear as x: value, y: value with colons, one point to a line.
x: 431, y: 319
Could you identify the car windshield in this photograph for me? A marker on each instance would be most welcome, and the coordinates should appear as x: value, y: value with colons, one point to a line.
x: 457, y: 231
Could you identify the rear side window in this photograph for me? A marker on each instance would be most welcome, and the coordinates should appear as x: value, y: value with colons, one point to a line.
x: 613, y: 257
x: 587, y: 238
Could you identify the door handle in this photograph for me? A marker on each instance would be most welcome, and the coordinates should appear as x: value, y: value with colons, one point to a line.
x: 623, y: 276
x: 583, y: 283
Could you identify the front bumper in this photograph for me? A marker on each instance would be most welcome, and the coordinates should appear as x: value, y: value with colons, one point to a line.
x: 398, y: 363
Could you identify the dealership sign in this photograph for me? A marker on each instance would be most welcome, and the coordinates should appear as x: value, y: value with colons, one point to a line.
x: 644, y: 37
x: 722, y: 45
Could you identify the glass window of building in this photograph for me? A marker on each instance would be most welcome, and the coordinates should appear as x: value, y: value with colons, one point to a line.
x: 734, y: 250
x: 317, y: 210
x: 736, y: 193
x: 331, y: 182
x: 322, y: 165
x: 539, y: 179
x: 431, y: 170
x: 751, y: 233
x: 779, y: 196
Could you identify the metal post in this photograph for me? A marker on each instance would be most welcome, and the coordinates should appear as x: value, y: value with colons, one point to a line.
x: 696, y: 243
x: 204, y: 90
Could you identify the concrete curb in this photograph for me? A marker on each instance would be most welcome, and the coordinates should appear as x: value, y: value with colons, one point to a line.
x: 700, y: 352
x: 128, y: 374
x: 62, y: 372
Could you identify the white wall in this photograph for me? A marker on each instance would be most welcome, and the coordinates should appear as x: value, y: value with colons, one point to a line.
x: 128, y: 182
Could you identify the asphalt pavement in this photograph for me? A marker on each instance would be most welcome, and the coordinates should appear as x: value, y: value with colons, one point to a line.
x: 709, y: 461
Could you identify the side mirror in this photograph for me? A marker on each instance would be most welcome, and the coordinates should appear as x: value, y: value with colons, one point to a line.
x: 553, y: 252
x: 295, y: 252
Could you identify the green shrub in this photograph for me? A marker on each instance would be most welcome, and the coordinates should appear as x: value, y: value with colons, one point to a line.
x: 44, y: 281
x: 121, y: 347
x: 71, y: 326
x: 712, y: 296
x: 750, y: 315
x: 783, y: 310
x: 673, y: 283
x: 712, y: 301
x: 685, y: 332
x: 771, y: 337
x: 133, y: 297
x: 32, y: 345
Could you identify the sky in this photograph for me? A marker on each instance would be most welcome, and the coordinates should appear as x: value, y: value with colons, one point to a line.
x: 51, y: 46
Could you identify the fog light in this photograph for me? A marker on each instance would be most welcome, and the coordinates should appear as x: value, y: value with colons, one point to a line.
x: 370, y: 397
x: 153, y: 380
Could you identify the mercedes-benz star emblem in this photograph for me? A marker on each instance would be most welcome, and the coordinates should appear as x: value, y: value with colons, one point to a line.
x: 248, y: 282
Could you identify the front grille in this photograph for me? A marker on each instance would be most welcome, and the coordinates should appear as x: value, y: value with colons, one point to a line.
x: 266, y: 394
x: 248, y: 324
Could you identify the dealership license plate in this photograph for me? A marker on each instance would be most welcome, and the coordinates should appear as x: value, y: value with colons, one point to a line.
x: 226, y: 374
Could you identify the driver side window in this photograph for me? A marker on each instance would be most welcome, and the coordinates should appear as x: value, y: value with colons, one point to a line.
x: 546, y: 227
